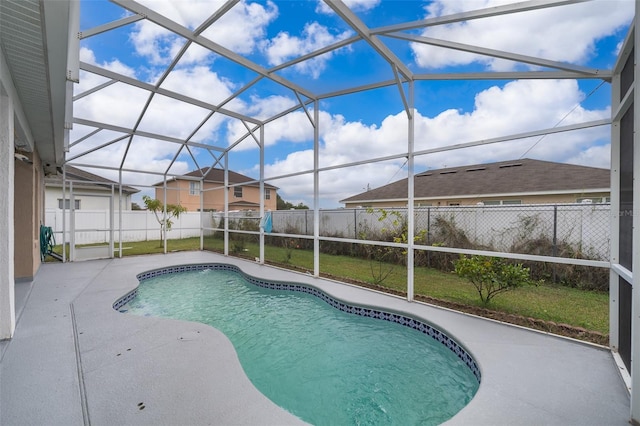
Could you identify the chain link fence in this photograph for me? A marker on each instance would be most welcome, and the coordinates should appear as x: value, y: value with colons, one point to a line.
x: 564, y: 230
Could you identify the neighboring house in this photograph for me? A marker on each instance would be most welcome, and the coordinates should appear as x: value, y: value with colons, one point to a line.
x: 90, y: 191
x: 509, y: 182
x: 186, y: 191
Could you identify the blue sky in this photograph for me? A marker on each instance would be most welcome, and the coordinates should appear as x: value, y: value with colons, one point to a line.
x: 360, y: 126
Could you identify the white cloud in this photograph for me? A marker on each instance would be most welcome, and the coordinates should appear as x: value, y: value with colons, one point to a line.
x: 314, y: 36
x: 89, y: 80
x: 160, y: 46
x: 252, y: 18
x: 514, y: 108
x: 565, y: 33
x: 294, y: 127
x: 154, y: 42
x: 355, y: 5
x: 121, y: 105
x: 199, y: 82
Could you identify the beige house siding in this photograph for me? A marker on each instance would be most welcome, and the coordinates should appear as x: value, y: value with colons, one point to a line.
x: 178, y: 193
x: 524, y: 199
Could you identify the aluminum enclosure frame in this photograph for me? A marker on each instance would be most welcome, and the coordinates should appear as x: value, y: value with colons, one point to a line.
x: 404, y: 80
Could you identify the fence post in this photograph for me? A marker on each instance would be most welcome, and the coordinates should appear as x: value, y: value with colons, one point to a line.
x: 355, y: 224
x: 429, y: 236
x: 555, y: 238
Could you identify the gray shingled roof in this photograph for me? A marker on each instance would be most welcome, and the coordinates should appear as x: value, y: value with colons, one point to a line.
x: 86, y: 180
x: 217, y: 176
x: 506, y: 177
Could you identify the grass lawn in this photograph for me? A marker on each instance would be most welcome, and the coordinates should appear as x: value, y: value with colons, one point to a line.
x: 578, y: 308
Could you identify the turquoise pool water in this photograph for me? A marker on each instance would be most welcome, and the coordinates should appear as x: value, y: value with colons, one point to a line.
x: 326, y: 366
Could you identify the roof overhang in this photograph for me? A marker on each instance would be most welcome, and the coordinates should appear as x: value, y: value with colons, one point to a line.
x: 488, y: 195
x: 34, y: 39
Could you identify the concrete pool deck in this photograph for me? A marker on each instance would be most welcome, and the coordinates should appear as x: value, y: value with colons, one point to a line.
x: 74, y: 360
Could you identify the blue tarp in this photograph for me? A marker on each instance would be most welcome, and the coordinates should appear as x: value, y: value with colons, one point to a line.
x: 267, y: 223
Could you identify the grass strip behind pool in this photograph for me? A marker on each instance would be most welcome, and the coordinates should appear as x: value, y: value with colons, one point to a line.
x: 557, y: 304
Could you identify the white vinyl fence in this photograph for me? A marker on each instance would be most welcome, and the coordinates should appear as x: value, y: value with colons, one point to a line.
x: 583, y: 227
x: 137, y: 225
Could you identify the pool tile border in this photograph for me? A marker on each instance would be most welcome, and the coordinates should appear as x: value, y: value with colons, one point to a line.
x: 406, y: 321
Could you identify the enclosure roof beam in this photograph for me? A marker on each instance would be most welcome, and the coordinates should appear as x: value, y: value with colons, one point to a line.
x: 208, y: 44
x: 145, y: 172
x: 151, y: 88
x: 516, y: 75
x: 109, y: 26
x: 94, y: 89
x: 350, y: 18
x: 560, y: 129
x: 495, y: 53
x: 142, y: 133
x: 475, y: 14
x: 490, y: 75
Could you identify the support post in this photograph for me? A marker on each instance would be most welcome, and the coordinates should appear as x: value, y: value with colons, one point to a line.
x: 7, y: 173
x: 261, y: 194
x: 226, y: 204
x: 202, y: 214
x: 119, y: 214
x: 316, y: 189
x: 635, y: 265
x: 163, y: 226
x: 410, y: 196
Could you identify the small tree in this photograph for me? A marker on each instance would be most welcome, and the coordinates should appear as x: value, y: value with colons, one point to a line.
x: 491, y: 275
x: 156, y: 206
x: 382, y: 259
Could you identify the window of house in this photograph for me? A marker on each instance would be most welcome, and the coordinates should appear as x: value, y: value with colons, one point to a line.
x: 594, y: 199
x: 267, y: 194
x: 237, y: 191
x: 501, y: 202
x: 454, y: 204
x: 588, y: 200
x: 67, y: 204
x: 194, y: 188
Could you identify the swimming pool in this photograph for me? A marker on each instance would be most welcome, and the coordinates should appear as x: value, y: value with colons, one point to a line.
x: 325, y: 365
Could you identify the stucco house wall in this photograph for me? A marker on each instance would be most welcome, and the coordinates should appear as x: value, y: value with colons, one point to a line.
x: 178, y: 192
x: 28, y: 215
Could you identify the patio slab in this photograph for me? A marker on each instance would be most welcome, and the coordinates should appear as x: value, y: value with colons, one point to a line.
x: 75, y: 360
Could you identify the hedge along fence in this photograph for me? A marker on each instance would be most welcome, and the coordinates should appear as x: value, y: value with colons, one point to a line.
x: 582, y: 226
x: 564, y: 230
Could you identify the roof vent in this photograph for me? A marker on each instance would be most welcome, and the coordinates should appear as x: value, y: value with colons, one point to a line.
x: 476, y: 169
x: 449, y: 172
x: 504, y: 166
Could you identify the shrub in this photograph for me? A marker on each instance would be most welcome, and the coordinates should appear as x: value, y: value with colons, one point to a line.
x: 491, y: 275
